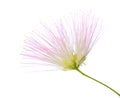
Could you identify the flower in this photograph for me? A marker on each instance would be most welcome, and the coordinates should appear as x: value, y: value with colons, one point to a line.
x: 65, y: 42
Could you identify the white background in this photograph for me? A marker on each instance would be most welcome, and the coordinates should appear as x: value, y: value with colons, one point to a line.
x: 18, y: 17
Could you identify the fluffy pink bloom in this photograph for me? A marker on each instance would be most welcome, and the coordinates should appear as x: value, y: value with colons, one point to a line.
x: 66, y: 42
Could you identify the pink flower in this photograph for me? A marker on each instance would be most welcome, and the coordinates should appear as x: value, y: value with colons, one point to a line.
x: 66, y: 42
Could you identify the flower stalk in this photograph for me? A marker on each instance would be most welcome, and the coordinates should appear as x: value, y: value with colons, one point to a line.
x: 98, y: 81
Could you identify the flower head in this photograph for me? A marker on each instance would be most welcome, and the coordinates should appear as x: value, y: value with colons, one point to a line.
x: 65, y: 42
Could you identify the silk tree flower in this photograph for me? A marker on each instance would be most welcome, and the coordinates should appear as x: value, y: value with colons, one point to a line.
x: 65, y: 42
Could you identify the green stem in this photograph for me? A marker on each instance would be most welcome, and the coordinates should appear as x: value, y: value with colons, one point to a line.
x: 98, y: 82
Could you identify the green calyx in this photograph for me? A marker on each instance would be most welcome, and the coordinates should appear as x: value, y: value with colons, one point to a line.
x: 73, y: 63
